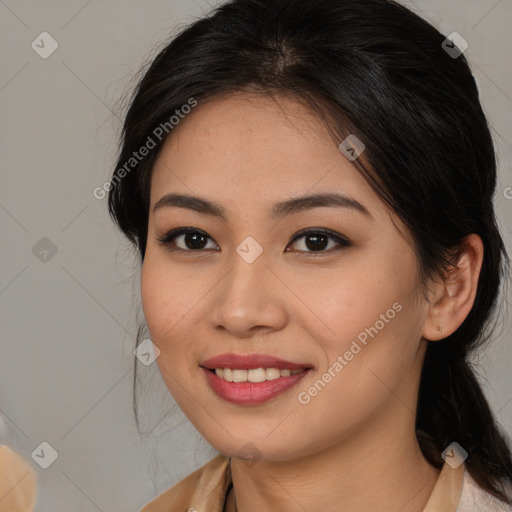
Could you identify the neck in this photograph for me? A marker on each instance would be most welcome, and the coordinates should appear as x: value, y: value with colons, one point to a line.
x: 382, y: 469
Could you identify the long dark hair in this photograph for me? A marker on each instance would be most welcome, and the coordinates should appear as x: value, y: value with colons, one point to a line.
x: 379, y: 71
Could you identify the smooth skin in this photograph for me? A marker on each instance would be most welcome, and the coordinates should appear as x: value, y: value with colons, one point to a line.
x: 353, y: 446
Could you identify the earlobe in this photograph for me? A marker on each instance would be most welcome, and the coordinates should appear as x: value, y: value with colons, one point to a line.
x: 457, y: 292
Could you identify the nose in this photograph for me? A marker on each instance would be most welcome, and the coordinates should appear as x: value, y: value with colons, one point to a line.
x: 249, y: 299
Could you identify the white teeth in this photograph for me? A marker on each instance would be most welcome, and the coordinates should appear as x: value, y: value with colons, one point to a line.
x: 272, y: 373
x: 239, y: 375
x: 257, y: 375
x: 254, y: 375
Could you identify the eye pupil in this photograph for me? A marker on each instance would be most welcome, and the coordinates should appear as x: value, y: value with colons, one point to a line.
x: 317, y: 244
x: 193, y: 238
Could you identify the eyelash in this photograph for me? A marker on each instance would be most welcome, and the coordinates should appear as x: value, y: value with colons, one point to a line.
x: 171, y: 235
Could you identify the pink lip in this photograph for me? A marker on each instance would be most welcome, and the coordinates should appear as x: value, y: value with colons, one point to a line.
x: 251, y: 393
x: 251, y: 361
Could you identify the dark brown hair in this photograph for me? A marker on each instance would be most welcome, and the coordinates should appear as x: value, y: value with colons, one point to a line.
x: 379, y: 71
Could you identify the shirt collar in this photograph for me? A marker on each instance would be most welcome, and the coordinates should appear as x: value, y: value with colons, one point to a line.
x: 448, y: 489
x: 206, y: 489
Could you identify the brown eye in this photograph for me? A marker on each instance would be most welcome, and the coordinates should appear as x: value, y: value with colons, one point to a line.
x: 192, y: 239
x: 318, y: 240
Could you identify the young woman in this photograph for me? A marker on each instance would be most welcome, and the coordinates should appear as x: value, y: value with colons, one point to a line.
x: 309, y: 186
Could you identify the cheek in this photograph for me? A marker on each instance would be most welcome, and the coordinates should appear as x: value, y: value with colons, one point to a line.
x: 361, y: 379
x: 153, y: 296
x: 165, y: 307
x: 368, y: 302
x: 162, y: 313
x: 173, y: 301
x: 375, y: 327
x: 166, y: 298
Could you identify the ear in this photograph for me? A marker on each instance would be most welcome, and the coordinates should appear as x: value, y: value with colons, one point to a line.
x: 451, y: 300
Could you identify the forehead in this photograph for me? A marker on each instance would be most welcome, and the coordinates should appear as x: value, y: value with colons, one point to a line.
x: 253, y: 148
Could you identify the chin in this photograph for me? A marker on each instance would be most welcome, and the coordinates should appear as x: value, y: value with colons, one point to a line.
x: 254, y: 449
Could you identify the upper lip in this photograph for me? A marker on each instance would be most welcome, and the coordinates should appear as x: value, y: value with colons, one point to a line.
x: 250, y: 361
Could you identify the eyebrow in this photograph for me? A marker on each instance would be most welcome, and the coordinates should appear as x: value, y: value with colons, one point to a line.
x: 279, y: 210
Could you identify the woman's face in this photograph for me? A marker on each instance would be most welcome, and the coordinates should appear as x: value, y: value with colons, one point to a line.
x: 247, y: 285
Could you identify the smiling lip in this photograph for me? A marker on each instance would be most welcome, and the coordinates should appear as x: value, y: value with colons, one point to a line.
x: 251, y: 393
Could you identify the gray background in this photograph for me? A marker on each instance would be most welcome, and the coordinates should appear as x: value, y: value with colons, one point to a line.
x: 68, y: 324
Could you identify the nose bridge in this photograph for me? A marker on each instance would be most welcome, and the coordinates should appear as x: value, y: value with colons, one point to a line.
x: 246, y: 283
x: 247, y: 296
x: 248, y: 263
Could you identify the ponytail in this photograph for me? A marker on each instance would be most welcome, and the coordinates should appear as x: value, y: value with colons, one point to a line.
x: 452, y: 407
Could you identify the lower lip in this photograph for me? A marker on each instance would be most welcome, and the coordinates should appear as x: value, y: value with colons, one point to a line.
x: 248, y: 393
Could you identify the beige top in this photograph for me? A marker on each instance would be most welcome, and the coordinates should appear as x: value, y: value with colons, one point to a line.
x: 17, y: 482
x: 206, y: 490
